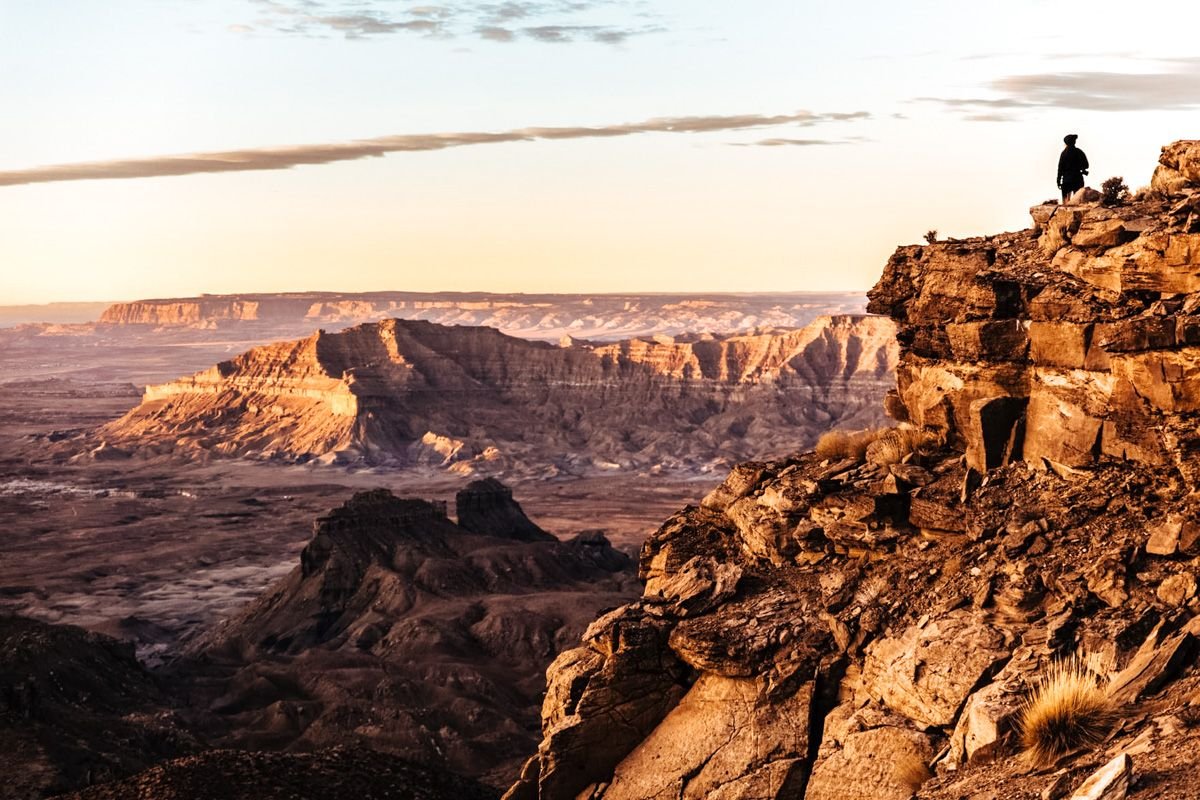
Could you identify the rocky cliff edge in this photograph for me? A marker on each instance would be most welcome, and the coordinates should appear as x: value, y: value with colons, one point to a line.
x: 868, y: 623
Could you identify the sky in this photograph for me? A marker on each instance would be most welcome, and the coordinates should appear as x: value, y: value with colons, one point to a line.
x: 159, y: 148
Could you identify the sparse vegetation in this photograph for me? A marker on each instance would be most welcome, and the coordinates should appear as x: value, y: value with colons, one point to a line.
x: 891, y: 446
x: 931, y: 235
x: 1067, y: 709
x: 910, y: 772
x: 836, y: 445
x: 869, y: 591
x: 1114, y: 191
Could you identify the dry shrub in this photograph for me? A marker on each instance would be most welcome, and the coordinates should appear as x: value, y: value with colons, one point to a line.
x: 870, y: 590
x: 893, y: 445
x: 836, y: 445
x: 1114, y: 191
x: 910, y: 771
x: 1067, y: 709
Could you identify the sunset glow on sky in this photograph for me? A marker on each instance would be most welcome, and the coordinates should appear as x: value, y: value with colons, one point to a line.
x: 551, y: 145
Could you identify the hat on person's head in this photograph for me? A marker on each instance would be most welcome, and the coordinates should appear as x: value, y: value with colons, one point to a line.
x: 1070, y: 138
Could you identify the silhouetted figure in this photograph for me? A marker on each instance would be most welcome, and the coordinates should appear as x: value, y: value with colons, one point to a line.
x: 1072, y: 166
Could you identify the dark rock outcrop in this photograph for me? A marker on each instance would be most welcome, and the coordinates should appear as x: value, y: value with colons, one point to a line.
x: 328, y: 775
x: 407, y: 633
x: 487, y: 507
x: 76, y: 708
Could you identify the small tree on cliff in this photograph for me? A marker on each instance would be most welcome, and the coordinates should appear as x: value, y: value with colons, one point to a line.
x: 1114, y: 191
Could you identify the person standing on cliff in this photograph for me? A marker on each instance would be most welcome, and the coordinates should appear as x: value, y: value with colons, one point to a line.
x: 1072, y: 166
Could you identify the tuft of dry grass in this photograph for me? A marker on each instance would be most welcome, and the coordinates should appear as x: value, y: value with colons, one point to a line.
x: 1067, y: 709
x: 910, y: 771
x: 893, y: 445
x: 870, y: 590
x: 836, y: 445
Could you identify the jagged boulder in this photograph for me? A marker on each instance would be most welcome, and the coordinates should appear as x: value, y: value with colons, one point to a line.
x: 1178, y: 168
x: 602, y: 699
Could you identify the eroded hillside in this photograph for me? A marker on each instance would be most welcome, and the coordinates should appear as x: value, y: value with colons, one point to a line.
x: 415, y: 394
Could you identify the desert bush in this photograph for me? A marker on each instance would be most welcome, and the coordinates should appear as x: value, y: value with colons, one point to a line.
x: 837, y: 445
x: 1114, y: 191
x: 870, y: 590
x: 891, y: 446
x: 931, y: 235
x: 910, y: 771
x: 1067, y: 709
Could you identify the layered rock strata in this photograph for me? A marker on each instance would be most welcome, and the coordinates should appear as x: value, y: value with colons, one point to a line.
x: 1077, y: 345
x: 868, y: 627
x: 415, y: 394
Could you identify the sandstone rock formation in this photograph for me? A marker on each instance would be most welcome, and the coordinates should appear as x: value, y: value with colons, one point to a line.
x: 404, y: 632
x: 867, y: 628
x: 1063, y: 349
x: 412, y: 394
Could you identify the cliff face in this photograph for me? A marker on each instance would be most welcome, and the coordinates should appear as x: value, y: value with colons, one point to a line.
x: 869, y: 627
x: 410, y: 393
x: 1074, y: 346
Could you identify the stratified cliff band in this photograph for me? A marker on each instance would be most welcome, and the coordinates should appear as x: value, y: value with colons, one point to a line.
x: 410, y: 394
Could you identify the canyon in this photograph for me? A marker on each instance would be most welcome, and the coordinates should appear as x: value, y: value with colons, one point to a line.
x: 199, y: 561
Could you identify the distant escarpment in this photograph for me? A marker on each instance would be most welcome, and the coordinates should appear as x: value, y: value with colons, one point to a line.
x: 869, y: 625
x: 402, y: 631
x: 410, y: 394
x: 532, y: 316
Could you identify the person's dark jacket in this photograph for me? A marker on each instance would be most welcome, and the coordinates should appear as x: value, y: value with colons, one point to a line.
x: 1071, y: 166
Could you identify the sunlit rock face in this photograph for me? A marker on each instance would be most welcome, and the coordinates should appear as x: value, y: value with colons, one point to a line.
x: 1076, y: 341
x: 407, y: 393
x: 857, y: 627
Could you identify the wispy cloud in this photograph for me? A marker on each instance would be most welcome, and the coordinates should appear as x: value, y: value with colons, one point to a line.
x: 550, y: 21
x: 286, y: 157
x: 790, y: 142
x: 1175, y: 85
